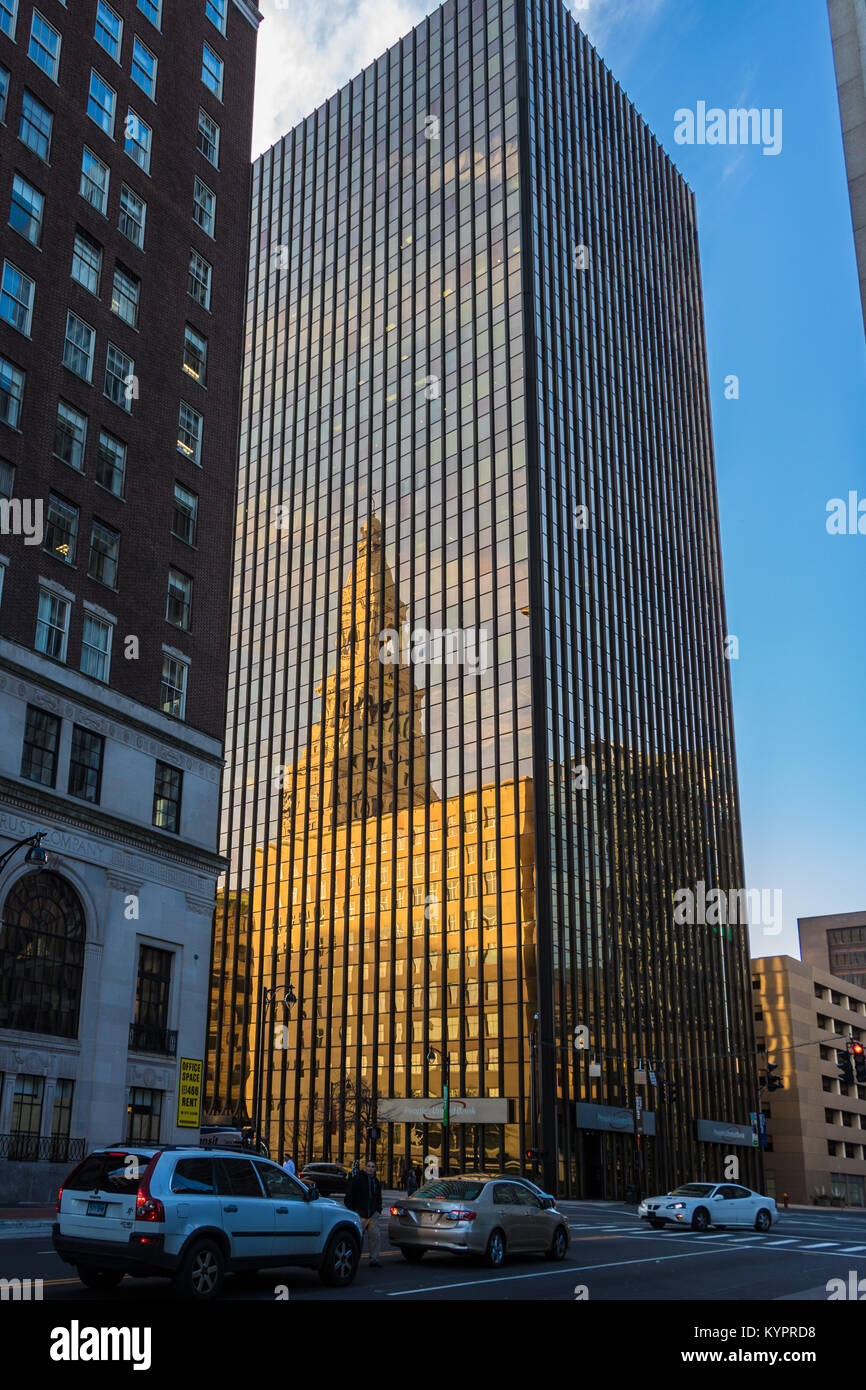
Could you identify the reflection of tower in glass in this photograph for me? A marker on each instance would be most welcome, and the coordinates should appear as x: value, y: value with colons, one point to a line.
x: 367, y: 755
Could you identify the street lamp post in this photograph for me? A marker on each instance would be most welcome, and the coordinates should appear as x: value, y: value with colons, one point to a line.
x: 267, y: 999
x: 36, y: 855
x: 432, y: 1054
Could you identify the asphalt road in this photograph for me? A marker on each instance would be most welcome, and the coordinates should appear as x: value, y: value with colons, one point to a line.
x: 611, y: 1257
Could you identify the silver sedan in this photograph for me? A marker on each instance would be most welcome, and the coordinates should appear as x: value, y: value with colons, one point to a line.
x: 487, y: 1217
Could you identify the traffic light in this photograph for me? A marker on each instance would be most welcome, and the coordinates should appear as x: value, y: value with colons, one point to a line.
x: 858, y: 1052
x: 774, y: 1083
x: 533, y: 1155
x: 845, y: 1066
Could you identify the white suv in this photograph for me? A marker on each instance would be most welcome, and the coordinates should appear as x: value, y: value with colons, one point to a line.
x: 194, y: 1214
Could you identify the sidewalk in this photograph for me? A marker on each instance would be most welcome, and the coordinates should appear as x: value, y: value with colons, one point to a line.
x: 28, y: 1219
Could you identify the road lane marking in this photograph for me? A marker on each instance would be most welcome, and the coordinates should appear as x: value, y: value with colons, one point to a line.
x: 822, y: 1245
x: 543, y: 1274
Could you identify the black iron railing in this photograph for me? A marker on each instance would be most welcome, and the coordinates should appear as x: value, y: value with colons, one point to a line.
x: 144, y: 1038
x: 37, y: 1148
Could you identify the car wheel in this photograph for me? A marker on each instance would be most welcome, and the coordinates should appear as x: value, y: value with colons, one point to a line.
x: 413, y: 1253
x: 495, y: 1252
x: 763, y: 1221
x: 656, y: 1224
x: 202, y: 1272
x: 341, y: 1261
x: 99, y: 1278
x: 559, y: 1244
x: 700, y: 1219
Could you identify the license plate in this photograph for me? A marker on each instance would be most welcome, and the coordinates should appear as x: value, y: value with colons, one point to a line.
x: 96, y: 1208
x: 429, y: 1218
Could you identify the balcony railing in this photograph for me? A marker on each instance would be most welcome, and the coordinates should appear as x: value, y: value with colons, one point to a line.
x: 36, y: 1148
x: 145, y: 1038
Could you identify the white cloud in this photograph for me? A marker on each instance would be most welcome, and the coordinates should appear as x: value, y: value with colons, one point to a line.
x: 307, y: 50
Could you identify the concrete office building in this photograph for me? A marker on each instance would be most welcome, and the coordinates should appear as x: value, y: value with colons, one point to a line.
x: 848, y: 30
x: 816, y: 1125
x: 479, y: 709
x: 836, y: 943
x: 124, y: 197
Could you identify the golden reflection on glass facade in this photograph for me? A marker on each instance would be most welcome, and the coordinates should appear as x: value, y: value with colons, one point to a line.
x: 475, y: 744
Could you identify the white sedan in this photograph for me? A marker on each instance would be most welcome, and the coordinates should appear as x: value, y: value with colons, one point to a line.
x: 703, y: 1204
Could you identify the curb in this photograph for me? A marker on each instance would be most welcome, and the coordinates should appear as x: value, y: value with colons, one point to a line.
x: 11, y: 1229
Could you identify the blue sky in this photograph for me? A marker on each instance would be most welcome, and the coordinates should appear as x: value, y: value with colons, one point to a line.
x: 783, y: 314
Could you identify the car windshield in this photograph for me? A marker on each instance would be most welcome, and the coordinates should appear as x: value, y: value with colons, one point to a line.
x: 451, y: 1187
x: 693, y: 1189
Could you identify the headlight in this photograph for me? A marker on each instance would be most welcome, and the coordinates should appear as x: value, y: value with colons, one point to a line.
x: 676, y: 1206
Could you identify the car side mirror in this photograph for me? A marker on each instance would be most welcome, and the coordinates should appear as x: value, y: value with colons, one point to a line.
x: 548, y: 1203
x: 312, y: 1192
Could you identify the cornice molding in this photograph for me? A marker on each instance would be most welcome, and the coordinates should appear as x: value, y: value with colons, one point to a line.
x: 249, y: 12
x: 117, y: 840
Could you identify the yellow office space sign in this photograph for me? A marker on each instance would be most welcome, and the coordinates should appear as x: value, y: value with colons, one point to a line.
x: 189, y: 1093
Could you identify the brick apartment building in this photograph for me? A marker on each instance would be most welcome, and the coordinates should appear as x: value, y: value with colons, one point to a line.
x: 124, y: 215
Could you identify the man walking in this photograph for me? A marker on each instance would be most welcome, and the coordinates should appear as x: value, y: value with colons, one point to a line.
x: 289, y: 1166
x: 364, y: 1196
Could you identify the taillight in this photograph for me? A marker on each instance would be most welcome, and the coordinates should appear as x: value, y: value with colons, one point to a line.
x: 148, y: 1208
x: 461, y: 1215
x: 59, y: 1195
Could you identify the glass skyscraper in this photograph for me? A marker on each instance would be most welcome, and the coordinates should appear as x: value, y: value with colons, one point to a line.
x: 480, y: 727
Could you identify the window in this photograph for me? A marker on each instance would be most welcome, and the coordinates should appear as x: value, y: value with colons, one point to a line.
x: 133, y: 211
x: 144, y: 1107
x: 78, y: 346
x: 139, y: 137
x: 216, y: 13
x: 26, y: 1121
x: 109, y: 30
x: 153, y: 10
x: 195, y: 354
x: 172, y: 698
x: 101, y: 103
x: 125, y: 295
x: 4, y: 91
x: 94, y: 181
x: 189, y: 428
x: 11, y: 393
x: 110, y: 463
x: 8, y: 15
x: 44, y: 46
x: 144, y: 68
x: 40, y: 986
x: 199, y: 283
x: 119, y: 374
x: 167, y: 787
x: 185, y: 514
x: 61, y: 529
x: 204, y: 207
x: 85, y: 765
x: 70, y: 436
x: 104, y: 552
x: 34, y: 127
x: 212, y: 71
x: 178, y: 600
x: 41, y: 741
x: 208, y: 138
x: 25, y: 213
x: 7, y: 479
x: 96, y: 648
x: 16, y: 298
x: 194, y: 1177
x: 152, y: 993
x: 86, y: 262
x: 61, y: 1120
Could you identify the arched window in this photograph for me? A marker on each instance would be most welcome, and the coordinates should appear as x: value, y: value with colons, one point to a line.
x: 42, y: 934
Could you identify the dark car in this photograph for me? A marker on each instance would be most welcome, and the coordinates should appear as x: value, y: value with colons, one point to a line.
x: 329, y: 1178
